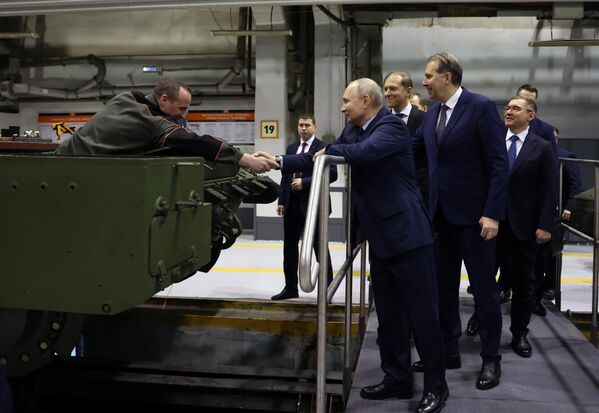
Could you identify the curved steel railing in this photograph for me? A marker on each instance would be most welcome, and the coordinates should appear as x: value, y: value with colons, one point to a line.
x: 312, y: 274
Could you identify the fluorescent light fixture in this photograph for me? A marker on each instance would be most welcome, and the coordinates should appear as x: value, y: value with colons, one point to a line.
x: 151, y: 69
x: 564, y: 43
x: 19, y: 35
x: 251, y: 32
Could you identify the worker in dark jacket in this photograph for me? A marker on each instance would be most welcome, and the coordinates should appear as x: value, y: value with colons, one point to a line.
x: 132, y: 124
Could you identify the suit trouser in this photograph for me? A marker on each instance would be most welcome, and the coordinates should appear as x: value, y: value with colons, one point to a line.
x: 545, y: 270
x: 293, y: 227
x: 404, y: 289
x: 523, y: 256
x: 454, y: 244
x: 5, y: 393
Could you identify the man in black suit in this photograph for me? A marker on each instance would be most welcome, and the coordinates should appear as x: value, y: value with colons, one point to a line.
x: 545, y: 270
x: 532, y: 196
x: 398, y: 89
x: 293, y: 205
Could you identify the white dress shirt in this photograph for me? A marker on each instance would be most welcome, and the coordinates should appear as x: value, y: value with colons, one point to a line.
x: 451, y: 102
x: 406, y: 111
x: 309, y: 142
x: 521, y: 136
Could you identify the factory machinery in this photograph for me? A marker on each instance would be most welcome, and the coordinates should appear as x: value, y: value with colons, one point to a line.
x: 87, y: 241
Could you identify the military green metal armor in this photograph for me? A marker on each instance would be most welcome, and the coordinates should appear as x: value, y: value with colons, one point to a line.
x: 583, y: 212
x: 100, y: 235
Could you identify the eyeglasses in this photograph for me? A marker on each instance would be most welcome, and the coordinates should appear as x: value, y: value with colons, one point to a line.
x: 515, y: 109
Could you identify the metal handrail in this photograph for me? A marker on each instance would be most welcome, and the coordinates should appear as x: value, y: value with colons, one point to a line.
x: 593, y: 239
x: 310, y: 274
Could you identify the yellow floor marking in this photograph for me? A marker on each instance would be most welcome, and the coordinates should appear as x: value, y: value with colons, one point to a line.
x: 464, y: 277
x: 342, y: 247
x: 250, y: 245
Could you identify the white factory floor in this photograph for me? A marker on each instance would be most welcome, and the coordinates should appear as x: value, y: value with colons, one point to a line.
x: 254, y: 270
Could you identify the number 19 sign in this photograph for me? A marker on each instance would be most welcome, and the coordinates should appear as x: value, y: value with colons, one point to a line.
x: 269, y: 129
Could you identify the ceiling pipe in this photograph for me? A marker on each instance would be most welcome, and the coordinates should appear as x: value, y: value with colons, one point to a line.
x: 15, y: 91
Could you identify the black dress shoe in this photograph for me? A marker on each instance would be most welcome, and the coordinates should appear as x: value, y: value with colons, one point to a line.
x: 520, y: 345
x: 539, y: 309
x: 505, y: 296
x: 490, y: 372
x: 385, y: 390
x: 433, y: 402
x: 451, y: 363
x: 472, y: 326
x: 285, y: 294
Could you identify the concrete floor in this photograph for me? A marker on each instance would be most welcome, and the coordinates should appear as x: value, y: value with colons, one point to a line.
x: 254, y: 270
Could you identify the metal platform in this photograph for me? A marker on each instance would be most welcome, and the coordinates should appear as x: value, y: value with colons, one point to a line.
x: 562, y: 376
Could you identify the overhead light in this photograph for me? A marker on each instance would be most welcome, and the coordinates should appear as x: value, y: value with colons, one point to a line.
x: 251, y: 32
x: 151, y: 69
x: 564, y: 43
x: 19, y: 35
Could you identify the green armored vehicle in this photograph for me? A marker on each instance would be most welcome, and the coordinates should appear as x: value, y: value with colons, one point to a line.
x: 100, y: 235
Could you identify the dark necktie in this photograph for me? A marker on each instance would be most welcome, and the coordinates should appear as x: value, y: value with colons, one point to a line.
x: 442, y: 121
x: 402, y: 116
x: 304, y: 146
x: 511, y: 153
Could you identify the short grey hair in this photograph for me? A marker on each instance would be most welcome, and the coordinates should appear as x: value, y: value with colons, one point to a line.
x: 368, y: 87
x: 448, y: 63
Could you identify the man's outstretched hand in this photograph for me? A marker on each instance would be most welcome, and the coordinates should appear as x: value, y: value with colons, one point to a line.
x: 258, y: 164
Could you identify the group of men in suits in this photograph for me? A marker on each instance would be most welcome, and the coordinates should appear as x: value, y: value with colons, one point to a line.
x: 390, y: 211
x: 433, y: 189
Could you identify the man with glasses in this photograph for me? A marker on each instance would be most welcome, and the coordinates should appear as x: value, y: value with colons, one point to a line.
x: 532, y: 196
x: 464, y: 139
x: 537, y: 126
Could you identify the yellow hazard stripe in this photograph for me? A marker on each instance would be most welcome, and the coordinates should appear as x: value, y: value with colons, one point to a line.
x: 250, y: 245
x: 464, y: 277
x: 342, y: 247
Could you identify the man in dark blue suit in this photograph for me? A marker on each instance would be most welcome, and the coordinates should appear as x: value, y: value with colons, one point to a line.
x: 545, y: 270
x: 530, y: 216
x: 464, y: 139
x: 293, y: 205
x: 393, y: 218
x: 545, y: 131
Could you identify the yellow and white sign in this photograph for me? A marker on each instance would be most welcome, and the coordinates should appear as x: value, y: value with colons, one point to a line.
x: 269, y: 129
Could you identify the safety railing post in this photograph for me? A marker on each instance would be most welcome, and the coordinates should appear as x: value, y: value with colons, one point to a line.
x: 362, y: 319
x: 595, y: 263
x: 347, y: 368
x: 558, y: 261
x: 321, y: 356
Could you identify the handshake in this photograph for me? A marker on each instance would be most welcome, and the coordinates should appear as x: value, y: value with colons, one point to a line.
x: 259, y: 162
x: 263, y: 161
